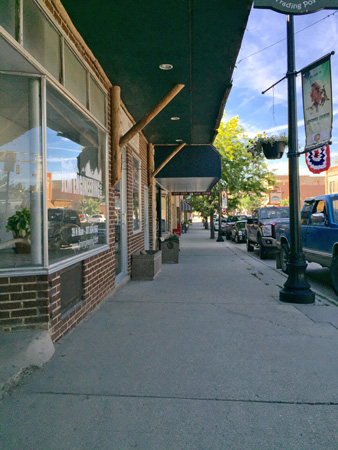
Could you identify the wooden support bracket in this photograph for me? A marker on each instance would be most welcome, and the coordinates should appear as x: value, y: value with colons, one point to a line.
x: 165, y: 162
x: 150, y: 163
x: 151, y: 114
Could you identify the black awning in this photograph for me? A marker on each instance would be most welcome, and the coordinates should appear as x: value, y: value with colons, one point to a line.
x: 195, y: 168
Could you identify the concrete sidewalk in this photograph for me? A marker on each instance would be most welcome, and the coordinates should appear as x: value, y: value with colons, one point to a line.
x: 203, y: 357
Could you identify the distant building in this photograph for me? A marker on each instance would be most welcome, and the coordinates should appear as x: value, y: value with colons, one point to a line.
x: 331, y: 180
x: 310, y: 186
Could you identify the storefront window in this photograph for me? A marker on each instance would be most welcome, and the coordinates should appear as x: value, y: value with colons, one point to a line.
x: 75, y: 76
x: 41, y: 39
x: 164, y: 214
x: 136, y: 194
x: 7, y: 15
x: 75, y: 180
x: 20, y: 172
x: 97, y: 101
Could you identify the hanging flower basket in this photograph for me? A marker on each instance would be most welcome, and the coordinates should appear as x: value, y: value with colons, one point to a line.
x: 275, y: 150
x: 273, y: 146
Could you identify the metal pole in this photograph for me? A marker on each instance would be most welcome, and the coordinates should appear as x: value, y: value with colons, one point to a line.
x: 220, y: 237
x: 296, y: 289
x: 36, y: 171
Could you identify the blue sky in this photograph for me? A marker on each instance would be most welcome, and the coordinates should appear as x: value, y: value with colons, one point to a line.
x: 261, y: 63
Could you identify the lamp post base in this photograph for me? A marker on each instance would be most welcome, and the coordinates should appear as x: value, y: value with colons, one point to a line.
x: 297, y: 289
x: 220, y: 238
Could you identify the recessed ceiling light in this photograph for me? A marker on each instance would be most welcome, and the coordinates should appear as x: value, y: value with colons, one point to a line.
x: 175, y: 118
x: 166, y: 66
x: 179, y: 140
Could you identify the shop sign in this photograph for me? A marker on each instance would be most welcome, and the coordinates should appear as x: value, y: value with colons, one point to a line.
x: 190, y: 193
x: 296, y: 6
x: 275, y: 198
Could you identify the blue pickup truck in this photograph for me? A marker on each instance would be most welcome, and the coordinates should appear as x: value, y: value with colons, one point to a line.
x: 319, y: 223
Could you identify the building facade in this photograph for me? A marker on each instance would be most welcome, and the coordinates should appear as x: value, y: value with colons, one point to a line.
x: 82, y: 185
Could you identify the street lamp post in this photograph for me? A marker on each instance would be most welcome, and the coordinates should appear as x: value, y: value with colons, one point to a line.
x: 296, y: 289
x: 220, y: 237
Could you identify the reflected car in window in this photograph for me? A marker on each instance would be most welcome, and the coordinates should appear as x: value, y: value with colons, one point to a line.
x: 97, y: 218
x: 64, y: 228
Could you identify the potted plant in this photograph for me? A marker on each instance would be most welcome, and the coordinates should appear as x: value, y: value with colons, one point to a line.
x: 170, y: 249
x: 273, y: 146
x: 19, y: 224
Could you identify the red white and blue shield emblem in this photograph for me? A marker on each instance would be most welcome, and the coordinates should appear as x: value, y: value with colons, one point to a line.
x: 318, y: 160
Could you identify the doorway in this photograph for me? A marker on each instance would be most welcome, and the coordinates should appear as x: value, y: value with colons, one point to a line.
x: 121, y: 223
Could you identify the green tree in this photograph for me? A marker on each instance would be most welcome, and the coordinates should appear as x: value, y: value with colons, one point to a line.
x: 285, y: 202
x: 251, y: 202
x: 243, y: 171
x: 90, y: 206
x: 206, y: 205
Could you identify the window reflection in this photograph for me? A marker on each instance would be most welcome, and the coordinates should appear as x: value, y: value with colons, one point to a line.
x: 136, y: 195
x: 20, y: 172
x: 75, y: 180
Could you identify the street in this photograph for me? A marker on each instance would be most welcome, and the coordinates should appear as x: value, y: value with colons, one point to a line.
x: 317, y: 276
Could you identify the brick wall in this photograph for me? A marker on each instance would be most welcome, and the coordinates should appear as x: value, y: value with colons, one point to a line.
x: 35, y: 301
x: 24, y: 302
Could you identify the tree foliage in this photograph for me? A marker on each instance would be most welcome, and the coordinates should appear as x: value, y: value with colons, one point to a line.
x: 244, y: 173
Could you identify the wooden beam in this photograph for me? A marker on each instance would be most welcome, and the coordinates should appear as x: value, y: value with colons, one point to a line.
x: 116, y: 158
x: 165, y: 162
x: 150, y: 163
x: 151, y: 114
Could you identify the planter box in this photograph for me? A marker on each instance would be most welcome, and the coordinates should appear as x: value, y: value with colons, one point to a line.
x: 146, y: 265
x: 170, y: 252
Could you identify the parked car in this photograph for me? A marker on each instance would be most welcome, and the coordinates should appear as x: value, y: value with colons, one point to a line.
x: 261, y: 229
x: 319, y: 226
x: 238, y: 233
x: 224, y: 220
x: 230, y: 224
x: 97, y: 218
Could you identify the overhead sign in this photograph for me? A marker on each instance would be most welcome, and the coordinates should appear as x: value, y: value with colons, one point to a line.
x: 189, y: 193
x: 317, y: 103
x: 296, y: 6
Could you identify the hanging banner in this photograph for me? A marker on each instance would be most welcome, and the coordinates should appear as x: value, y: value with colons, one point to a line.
x: 296, y: 6
x: 317, y: 102
x: 318, y: 160
x: 224, y: 200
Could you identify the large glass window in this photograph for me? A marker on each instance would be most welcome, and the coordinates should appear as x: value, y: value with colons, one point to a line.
x: 7, y: 15
x: 97, y: 101
x: 41, y: 39
x: 20, y: 172
x: 136, y: 194
x: 75, y: 76
x: 76, y: 180
x: 164, y: 214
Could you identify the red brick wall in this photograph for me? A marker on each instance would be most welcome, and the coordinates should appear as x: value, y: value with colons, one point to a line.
x: 24, y: 302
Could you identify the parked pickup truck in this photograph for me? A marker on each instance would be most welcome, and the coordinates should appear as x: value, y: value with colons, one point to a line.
x: 319, y: 223
x: 260, y: 229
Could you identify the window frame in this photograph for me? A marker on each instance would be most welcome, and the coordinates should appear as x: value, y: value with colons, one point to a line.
x: 64, y: 39
x: 46, y: 267
x: 134, y: 156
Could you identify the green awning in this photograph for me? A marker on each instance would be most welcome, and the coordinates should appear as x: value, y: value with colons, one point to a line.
x: 200, y: 39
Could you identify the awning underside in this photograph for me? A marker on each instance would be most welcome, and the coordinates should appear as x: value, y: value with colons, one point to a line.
x: 196, y: 168
x: 199, y: 38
